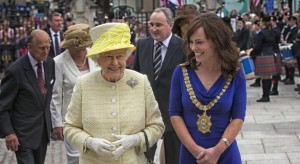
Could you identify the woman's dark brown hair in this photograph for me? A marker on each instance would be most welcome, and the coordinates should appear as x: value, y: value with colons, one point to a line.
x: 220, y: 34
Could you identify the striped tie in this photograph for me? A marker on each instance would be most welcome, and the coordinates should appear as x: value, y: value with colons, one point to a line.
x: 157, y: 60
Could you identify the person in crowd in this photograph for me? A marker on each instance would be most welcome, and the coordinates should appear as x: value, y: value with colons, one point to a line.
x: 183, y: 17
x: 55, y: 33
x: 227, y: 21
x: 26, y: 92
x: 208, y: 94
x: 69, y: 65
x: 254, y: 31
x: 157, y: 56
x: 290, y: 38
x: 283, y: 40
x: 277, y: 33
x: 7, y: 43
x: 69, y: 22
x: 296, y: 52
x: 101, y: 121
x: 21, y: 40
x: 249, y: 25
x: 233, y: 13
x: 265, y: 63
x: 7, y: 34
x: 241, y: 34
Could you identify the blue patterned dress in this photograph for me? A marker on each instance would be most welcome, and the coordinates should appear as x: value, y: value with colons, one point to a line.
x: 232, y: 105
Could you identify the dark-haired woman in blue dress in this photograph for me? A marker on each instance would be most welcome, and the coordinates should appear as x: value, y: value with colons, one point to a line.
x: 208, y: 95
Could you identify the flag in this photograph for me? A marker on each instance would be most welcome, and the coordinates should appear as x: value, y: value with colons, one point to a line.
x: 175, y: 2
x: 256, y: 2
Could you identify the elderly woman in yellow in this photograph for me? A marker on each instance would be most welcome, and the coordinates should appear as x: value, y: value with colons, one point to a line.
x: 69, y: 65
x: 110, y: 108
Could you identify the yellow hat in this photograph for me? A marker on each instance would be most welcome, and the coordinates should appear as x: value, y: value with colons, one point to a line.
x: 110, y: 36
x: 77, y: 36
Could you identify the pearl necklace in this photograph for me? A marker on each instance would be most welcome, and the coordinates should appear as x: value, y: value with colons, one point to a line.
x: 80, y: 66
x: 203, y: 121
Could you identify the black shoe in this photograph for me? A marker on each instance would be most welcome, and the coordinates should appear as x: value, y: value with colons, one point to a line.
x: 274, y: 93
x: 255, y: 85
x: 298, y: 85
x: 289, y: 82
x: 297, y: 89
x: 263, y: 99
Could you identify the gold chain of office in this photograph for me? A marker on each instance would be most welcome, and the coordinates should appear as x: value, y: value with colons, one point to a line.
x: 203, y: 122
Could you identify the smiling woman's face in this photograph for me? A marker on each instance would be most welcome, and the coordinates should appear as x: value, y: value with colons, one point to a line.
x: 113, y: 64
x: 203, y: 48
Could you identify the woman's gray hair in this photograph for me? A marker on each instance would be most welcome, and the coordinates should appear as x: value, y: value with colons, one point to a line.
x: 168, y: 13
x: 95, y: 58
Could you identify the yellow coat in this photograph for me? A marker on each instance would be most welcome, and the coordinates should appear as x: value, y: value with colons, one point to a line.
x: 100, y: 108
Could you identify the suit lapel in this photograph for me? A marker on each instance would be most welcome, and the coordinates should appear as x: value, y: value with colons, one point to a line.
x: 149, y: 59
x: 47, y: 74
x: 30, y: 75
x: 52, y: 43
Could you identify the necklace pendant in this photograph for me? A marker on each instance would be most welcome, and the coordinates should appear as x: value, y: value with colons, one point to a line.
x: 204, y: 123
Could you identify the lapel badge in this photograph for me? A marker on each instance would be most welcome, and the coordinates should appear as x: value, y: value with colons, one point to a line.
x: 132, y: 82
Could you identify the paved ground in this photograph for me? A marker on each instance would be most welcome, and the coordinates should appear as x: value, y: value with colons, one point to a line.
x: 270, y: 135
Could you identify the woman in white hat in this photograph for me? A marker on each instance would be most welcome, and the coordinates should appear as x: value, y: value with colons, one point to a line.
x: 69, y: 65
x: 110, y: 108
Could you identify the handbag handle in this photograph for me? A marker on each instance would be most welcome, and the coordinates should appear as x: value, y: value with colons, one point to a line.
x: 147, y: 149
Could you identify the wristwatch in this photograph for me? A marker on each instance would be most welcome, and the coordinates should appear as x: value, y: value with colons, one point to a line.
x: 226, y: 141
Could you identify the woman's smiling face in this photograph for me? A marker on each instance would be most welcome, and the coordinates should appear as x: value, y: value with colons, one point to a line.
x: 113, y: 64
x: 203, y: 48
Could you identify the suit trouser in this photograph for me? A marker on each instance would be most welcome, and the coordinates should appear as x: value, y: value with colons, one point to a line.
x: 172, y: 148
x: 298, y: 63
x: 33, y: 156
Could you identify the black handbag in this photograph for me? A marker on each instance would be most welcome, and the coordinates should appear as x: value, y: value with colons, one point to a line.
x: 149, y: 160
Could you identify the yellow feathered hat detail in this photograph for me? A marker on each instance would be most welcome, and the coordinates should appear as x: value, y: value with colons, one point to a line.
x: 110, y: 36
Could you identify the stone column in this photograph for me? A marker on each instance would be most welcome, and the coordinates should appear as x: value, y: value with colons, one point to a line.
x: 83, y: 12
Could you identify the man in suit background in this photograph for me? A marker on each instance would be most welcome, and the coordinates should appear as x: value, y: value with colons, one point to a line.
x: 25, y: 95
x: 290, y: 39
x: 241, y: 34
x: 55, y: 33
x: 161, y: 23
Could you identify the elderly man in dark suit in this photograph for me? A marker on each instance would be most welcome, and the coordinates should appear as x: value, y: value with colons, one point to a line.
x: 25, y: 95
x: 55, y: 33
x: 157, y: 56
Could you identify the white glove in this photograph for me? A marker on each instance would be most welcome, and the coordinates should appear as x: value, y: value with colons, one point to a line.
x: 101, y: 146
x: 126, y: 142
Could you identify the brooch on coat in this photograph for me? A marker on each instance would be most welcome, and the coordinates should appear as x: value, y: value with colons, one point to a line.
x: 132, y: 82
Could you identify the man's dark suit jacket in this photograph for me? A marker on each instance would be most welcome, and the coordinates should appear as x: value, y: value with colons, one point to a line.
x: 52, y: 50
x: 21, y: 108
x: 143, y: 63
x: 242, y: 37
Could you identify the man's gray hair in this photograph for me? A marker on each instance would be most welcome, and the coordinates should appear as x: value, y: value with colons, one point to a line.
x: 168, y: 13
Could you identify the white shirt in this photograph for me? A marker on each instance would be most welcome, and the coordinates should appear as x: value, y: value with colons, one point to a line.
x: 164, y: 47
